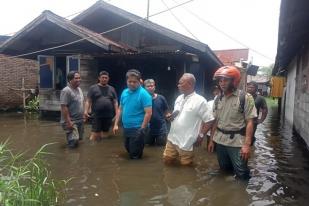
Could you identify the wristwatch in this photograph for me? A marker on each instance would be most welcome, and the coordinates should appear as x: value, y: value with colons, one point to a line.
x: 201, y: 135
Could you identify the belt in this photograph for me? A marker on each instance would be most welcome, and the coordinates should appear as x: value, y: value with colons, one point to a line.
x: 242, y: 131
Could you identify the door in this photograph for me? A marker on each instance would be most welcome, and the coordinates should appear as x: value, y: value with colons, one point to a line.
x: 46, y: 72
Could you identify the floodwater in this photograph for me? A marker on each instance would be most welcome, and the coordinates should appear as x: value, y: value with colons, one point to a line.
x: 103, y: 175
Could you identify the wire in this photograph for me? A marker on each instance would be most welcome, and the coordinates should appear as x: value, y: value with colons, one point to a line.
x: 12, y: 33
x: 105, y: 32
x: 179, y: 21
x: 225, y: 34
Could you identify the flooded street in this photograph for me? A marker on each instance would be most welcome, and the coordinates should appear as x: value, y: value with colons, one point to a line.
x: 103, y: 175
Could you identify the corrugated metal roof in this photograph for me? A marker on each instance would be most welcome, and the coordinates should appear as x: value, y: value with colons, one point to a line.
x: 230, y: 56
x: 149, y: 25
x: 82, y: 32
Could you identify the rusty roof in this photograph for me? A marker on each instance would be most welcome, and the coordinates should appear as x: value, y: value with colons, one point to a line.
x: 81, y: 32
x: 230, y: 56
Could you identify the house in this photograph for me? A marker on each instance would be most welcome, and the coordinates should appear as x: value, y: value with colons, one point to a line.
x: 12, y: 72
x: 232, y: 56
x: 90, y: 43
x: 235, y: 57
x: 292, y: 62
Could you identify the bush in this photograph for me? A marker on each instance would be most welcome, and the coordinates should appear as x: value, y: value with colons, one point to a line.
x: 33, y: 105
x: 27, y: 182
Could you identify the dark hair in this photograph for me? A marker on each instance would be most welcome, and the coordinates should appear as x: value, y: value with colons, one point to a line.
x: 133, y: 73
x: 253, y: 83
x: 103, y: 73
x: 215, y: 87
x: 71, y: 75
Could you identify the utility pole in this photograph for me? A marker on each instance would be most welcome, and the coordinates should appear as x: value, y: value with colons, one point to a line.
x: 148, y: 5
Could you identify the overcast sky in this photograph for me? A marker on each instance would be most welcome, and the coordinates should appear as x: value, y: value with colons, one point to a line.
x: 254, y: 23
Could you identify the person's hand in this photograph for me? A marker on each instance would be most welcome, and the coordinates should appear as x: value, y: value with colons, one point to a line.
x: 170, y: 117
x: 69, y: 124
x: 245, y: 152
x: 198, y: 141
x: 142, y: 131
x: 211, y: 146
x: 86, y: 116
x: 115, y: 129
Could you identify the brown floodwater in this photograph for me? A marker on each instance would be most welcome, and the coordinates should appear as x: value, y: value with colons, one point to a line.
x: 103, y: 175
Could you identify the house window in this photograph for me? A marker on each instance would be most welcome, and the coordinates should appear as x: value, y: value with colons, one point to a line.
x: 46, y: 65
x: 72, y: 63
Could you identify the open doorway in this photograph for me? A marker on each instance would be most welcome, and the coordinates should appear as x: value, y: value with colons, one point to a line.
x: 60, y: 73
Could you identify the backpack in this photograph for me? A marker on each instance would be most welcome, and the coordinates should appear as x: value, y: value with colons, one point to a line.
x: 242, y: 99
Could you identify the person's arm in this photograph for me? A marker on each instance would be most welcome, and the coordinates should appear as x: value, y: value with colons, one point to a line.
x: 88, y: 104
x: 264, y: 111
x: 147, y: 117
x: 66, y: 116
x: 212, y: 132
x: 205, y: 126
x: 116, y: 107
x: 117, y: 119
x: 245, y: 149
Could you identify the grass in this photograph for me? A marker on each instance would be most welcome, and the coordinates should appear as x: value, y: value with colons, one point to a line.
x: 27, y: 182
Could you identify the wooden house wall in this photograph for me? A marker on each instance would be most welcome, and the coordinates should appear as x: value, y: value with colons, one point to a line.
x: 50, y: 98
x: 133, y: 35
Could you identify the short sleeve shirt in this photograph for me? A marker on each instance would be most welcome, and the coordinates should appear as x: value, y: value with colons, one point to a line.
x: 157, y: 122
x: 193, y: 110
x: 229, y: 117
x: 260, y: 103
x: 103, y: 99
x: 74, y: 100
x: 133, y: 104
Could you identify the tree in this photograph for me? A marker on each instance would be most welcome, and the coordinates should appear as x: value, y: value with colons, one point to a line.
x: 266, y: 70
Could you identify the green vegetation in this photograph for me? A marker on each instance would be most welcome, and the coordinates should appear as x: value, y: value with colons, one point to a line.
x: 266, y: 70
x: 27, y: 182
x: 271, y: 102
x: 33, y: 105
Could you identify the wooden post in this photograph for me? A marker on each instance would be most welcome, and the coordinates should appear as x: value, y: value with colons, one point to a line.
x: 23, y: 90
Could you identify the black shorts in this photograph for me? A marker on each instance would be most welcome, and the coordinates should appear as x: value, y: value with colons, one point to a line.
x: 100, y: 124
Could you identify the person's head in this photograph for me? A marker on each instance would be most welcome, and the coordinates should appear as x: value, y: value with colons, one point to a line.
x: 150, y: 85
x: 133, y: 79
x: 186, y: 83
x: 103, y: 78
x: 216, y: 91
x: 228, y: 78
x: 73, y: 78
x: 252, y: 87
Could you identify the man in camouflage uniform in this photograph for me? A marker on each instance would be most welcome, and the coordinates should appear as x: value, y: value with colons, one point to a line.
x: 234, y: 112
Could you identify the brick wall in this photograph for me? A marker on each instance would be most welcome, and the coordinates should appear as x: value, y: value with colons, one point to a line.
x: 12, y: 70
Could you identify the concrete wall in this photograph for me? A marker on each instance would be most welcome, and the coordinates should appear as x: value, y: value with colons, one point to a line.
x: 12, y: 70
x: 290, y: 92
x: 299, y: 67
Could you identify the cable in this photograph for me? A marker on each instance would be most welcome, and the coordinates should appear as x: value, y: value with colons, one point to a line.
x: 12, y: 33
x: 179, y: 21
x: 225, y: 34
x: 105, y: 32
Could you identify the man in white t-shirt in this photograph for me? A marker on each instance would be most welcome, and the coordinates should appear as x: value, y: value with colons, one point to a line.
x: 191, y: 119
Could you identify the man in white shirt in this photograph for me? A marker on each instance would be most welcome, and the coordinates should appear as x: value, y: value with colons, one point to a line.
x: 191, y: 119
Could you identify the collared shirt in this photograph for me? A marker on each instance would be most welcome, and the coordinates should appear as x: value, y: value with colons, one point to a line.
x: 193, y: 109
x: 229, y: 118
x: 133, y: 104
x: 74, y: 100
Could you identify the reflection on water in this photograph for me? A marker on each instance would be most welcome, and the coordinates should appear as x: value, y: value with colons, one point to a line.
x: 103, y: 175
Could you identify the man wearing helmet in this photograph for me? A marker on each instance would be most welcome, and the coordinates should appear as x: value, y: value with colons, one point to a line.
x: 233, y: 127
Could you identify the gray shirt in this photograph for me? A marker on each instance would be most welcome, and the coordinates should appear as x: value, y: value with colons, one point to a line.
x: 74, y: 100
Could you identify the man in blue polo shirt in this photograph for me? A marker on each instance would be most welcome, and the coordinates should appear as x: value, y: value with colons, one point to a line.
x: 135, y: 111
